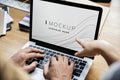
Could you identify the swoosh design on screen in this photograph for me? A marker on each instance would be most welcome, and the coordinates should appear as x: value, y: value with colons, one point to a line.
x: 77, y: 31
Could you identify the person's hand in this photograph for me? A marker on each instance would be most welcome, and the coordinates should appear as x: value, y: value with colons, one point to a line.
x: 59, y: 68
x: 25, y: 54
x: 91, y: 48
x: 96, y: 47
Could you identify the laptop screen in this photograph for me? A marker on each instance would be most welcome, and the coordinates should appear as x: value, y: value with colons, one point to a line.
x: 61, y: 23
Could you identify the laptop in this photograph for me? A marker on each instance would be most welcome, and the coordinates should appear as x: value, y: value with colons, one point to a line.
x: 54, y: 26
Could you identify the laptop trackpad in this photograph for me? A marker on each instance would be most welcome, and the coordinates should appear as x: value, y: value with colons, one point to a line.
x: 37, y: 74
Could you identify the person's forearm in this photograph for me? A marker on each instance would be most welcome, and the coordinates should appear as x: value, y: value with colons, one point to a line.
x: 109, y: 52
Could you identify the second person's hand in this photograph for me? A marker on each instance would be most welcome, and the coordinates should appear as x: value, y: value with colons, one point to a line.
x: 96, y: 47
x: 90, y: 49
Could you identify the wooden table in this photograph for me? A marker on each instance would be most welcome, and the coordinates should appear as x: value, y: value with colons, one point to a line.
x: 15, y: 38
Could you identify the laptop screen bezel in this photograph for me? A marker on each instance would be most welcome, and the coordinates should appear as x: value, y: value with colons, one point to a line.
x: 55, y: 47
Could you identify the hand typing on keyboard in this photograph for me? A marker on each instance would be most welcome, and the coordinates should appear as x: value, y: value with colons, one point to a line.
x: 25, y: 54
x: 58, y: 68
x: 48, y: 53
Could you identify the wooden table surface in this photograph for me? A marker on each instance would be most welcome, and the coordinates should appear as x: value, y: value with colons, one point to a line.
x: 15, y: 38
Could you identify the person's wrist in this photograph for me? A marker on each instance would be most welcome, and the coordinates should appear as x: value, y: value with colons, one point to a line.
x: 102, y: 47
x: 98, y: 46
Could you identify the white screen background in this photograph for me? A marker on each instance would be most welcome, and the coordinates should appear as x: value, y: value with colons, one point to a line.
x: 84, y: 20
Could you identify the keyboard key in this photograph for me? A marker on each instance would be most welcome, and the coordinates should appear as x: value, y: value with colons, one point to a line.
x: 51, y: 54
x: 62, y: 54
x: 75, y: 58
x: 40, y: 64
x: 67, y: 56
x: 76, y: 74
x: 75, y: 79
x: 46, y: 53
x: 80, y: 60
x: 78, y: 71
x: 76, y: 62
x: 49, y: 51
x: 84, y: 62
x: 81, y: 63
x: 77, y: 66
x: 82, y: 67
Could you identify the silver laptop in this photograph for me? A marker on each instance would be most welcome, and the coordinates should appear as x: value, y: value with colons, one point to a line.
x: 54, y: 26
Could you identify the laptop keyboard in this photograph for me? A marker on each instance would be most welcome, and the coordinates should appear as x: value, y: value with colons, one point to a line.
x: 79, y: 63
